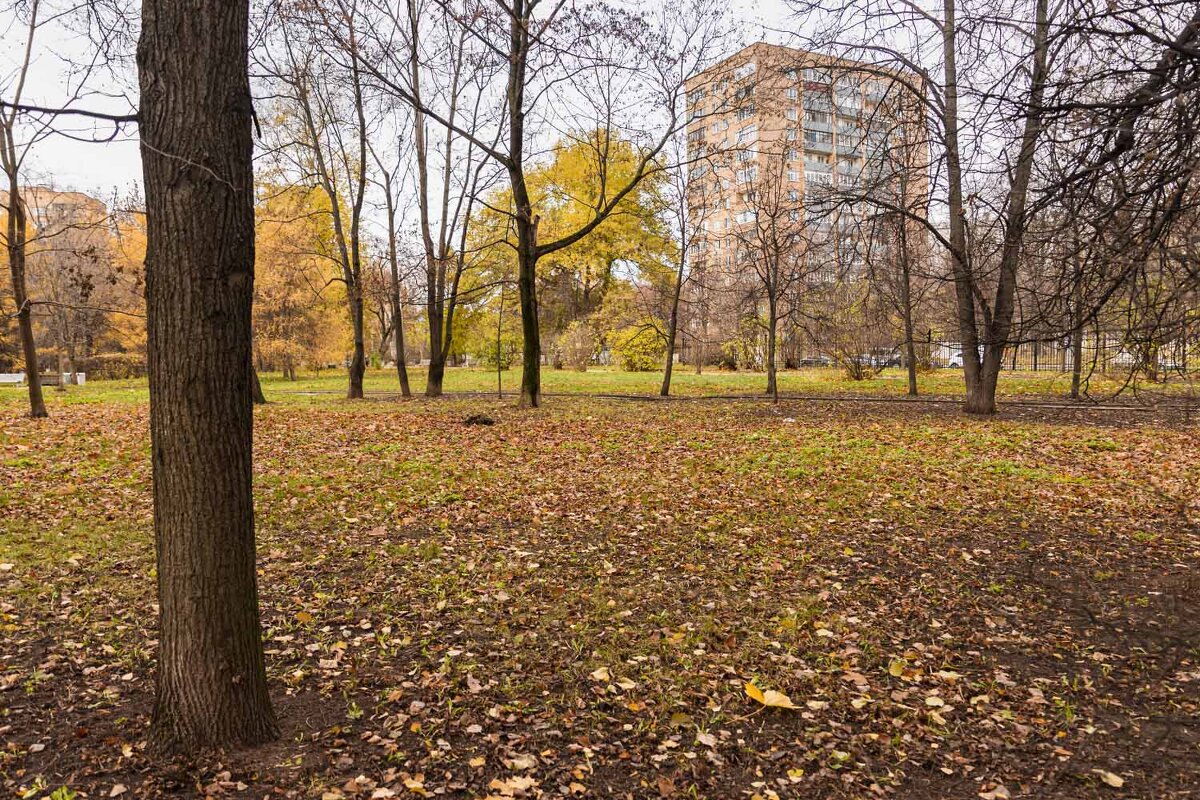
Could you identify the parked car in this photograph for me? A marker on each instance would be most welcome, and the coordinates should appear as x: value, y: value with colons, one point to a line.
x: 816, y: 361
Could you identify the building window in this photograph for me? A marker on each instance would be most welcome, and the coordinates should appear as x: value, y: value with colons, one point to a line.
x: 745, y: 113
x: 793, y: 195
x: 818, y: 178
x: 745, y: 69
x: 746, y: 175
x: 821, y: 117
x: 793, y: 174
x: 748, y: 134
x: 791, y: 134
x: 792, y: 114
x: 792, y: 93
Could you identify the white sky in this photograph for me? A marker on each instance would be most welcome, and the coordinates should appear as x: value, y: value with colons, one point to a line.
x: 115, y: 166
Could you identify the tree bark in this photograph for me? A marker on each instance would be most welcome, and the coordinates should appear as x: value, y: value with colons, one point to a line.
x: 358, y: 358
x: 673, y: 328
x: 16, y: 262
x: 397, y: 308
x: 256, y: 392
x: 964, y: 283
x: 906, y: 308
x: 196, y: 154
x: 983, y: 401
x: 772, y: 324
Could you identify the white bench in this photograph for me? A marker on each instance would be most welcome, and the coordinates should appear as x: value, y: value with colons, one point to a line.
x: 12, y: 378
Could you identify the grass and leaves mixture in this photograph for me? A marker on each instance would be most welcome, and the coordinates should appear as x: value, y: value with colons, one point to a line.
x: 604, y: 598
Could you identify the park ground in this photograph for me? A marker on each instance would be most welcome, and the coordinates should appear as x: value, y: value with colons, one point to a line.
x: 571, y: 602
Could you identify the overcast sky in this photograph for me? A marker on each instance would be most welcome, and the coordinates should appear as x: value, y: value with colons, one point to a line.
x: 101, y: 169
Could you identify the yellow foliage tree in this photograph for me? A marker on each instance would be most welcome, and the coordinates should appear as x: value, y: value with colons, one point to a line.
x: 633, y: 243
x: 298, y: 299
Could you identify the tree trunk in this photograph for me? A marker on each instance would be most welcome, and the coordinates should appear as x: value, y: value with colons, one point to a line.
x: 1077, y: 329
x: 61, y: 386
x: 772, y: 381
x: 672, y: 329
x: 983, y: 400
x: 437, y: 370
x: 16, y: 263
x: 358, y: 359
x: 196, y: 155
x: 964, y: 283
x: 531, y: 365
x: 397, y: 307
x: 906, y: 308
x: 256, y: 392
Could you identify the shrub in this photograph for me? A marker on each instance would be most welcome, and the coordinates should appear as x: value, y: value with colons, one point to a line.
x: 638, y: 348
x: 577, y: 346
x: 486, y: 353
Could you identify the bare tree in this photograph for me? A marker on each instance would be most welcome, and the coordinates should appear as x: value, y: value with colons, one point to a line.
x: 13, y: 153
x: 772, y: 238
x: 588, y: 73
x: 322, y: 92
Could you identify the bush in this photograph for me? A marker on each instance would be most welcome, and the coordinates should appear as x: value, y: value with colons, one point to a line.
x: 638, y: 349
x: 485, y: 352
x: 112, y: 366
x: 577, y: 346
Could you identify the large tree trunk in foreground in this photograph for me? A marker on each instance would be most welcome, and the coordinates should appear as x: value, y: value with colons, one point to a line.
x: 196, y: 155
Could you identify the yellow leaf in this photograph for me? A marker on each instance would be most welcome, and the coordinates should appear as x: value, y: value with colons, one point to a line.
x: 1113, y: 780
x: 304, y: 617
x: 896, y: 669
x: 477, y: 761
x: 601, y: 674
x: 769, y: 698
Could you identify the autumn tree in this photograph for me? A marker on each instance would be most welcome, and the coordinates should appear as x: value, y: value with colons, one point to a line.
x: 296, y: 286
x: 197, y: 147
x: 578, y: 70
x: 320, y: 136
x: 15, y: 145
x: 633, y: 242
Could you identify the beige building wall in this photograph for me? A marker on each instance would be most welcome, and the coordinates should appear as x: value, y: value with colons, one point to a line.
x: 805, y: 123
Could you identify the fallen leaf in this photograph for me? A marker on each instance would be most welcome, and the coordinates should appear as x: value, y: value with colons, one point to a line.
x: 770, y: 697
x: 1110, y: 778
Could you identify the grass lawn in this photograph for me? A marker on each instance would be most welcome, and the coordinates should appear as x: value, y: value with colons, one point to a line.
x: 571, y: 603
x: 943, y: 383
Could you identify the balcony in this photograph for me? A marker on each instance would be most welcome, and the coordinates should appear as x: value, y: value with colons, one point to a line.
x: 818, y: 147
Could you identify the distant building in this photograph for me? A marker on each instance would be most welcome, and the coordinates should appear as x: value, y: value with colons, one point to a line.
x: 47, y: 208
x: 819, y: 134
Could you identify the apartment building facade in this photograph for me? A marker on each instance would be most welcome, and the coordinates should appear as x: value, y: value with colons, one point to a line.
x: 803, y: 139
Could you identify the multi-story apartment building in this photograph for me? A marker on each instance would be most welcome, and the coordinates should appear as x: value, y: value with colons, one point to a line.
x: 803, y: 138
